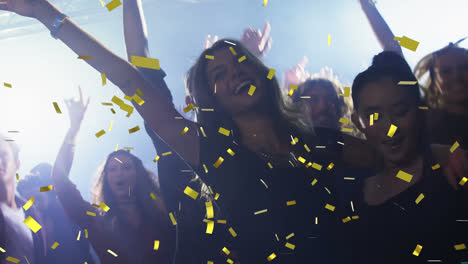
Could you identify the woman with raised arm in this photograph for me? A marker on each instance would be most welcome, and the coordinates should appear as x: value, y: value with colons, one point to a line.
x: 128, y: 217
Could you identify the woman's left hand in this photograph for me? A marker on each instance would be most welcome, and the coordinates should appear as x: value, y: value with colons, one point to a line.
x: 258, y: 42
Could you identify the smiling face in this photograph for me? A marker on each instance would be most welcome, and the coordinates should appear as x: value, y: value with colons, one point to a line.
x: 396, y: 106
x: 232, y: 80
x: 451, y: 76
x: 321, y: 107
x: 121, y: 175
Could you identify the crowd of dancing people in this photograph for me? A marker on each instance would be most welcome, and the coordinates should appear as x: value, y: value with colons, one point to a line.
x: 261, y: 172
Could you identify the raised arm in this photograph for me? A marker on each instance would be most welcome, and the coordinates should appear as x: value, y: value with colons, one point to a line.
x: 136, y: 34
x: 157, y: 111
x: 381, y: 30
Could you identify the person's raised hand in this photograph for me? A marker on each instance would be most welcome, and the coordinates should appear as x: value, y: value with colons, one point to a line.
x: 77, y: 109
x: 258, y: 42
x: 297, y: 74
x: 209, y: 42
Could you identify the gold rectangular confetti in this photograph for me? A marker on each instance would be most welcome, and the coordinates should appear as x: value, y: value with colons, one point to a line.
x: 347, y: 130
x: 232, y: 153
x: 191, y: 192
x: 133, y: 130
x: 226, y: 251
x: 156, y: 245
x: 435, y: 167
x: 344, y: 121
x: 184, y: 131
x: 460, y: 247
x: 79, y: 235
x: 271, y: 257
x: 289, y: 203
x: 347, y: 92
x: 301, y: 159
x: 306, y: 147
x: 423, y: 107
x: 138, y: 99
x: 376, y: 116
x: 55, y: 245
x: 241, y: 59
x: 329, y: 39
x: 207, y: 109
x: 354, y: 217
x: 203, y: 131
x: 371, y: 120
x: 404, y: 176
x: 316, y: 166
x: 222, y: 221
x: 112, y: 110
x: 463, y: 181
x: 326, y: 189
x: 271, y: 73
x: 145, y: 62
x: 289, y: 236
x: 7, y: 85
x: 216, y: 196
x: 156, y: 159
x: 349, y: 178
x: 407, y: 82
x: 419, y: 199
x: 100, y: 133
x: 454, y: 146
x: 104, y: 207
x: 346, y: 220
x: 218, y: 162
x: 313, y: 182
x: 261, y: 211
x: 330, y: 207
x: 32, y: 224
x: 417, y: 250
x: 111, y: 124
x: 57, y: 109
x: 290, y: 246
x: 210, y: 57
x: 233, y: 51
x: 408, y: 43
x: 224, y: 131
x: 85, y: 57
x: 46, y: 188
x: 103, y: 78
x: 269, y: 165
x: 153, y: 196
x: 265, y: 2
x: 174, y: 222
x: 233, y: 233
x: 140, y: 93
x: 188, y: 108
x: 108, y: 104
x: 230, y: 261
x: 392, y: 130
x: 252, y: 90
x: 86, y: 233
x: 90, y: 213
x: 28, y: 205
x: 166, y: 153
x: 209, y: 210
x: 204, y: 167
x: 12, y: 259
x: 330, y: 166
x: 112, y: 253
x: 128, y: 98
x: 210, y: 262
x: 113, y: 4
x: 17, y: 178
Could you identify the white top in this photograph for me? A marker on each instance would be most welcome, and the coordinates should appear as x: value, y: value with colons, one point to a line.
x: 19, y: 238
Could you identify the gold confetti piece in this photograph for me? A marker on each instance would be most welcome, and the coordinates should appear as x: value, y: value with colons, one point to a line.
x: 209, y: 210
x: 90, y: 213
x: 215, y: 89
x: 404, y: 176
x: 329, y: 39
x: 191, y: 192
x: 417, y: 251
x: 156, y: 159
x: 156, y: 245
x: 206, y: 169
x: 28, y: 205
x: 349, y: 178
x: 327, y: 190
x: 230, y: 261
x: 110, y: 127
x: 344, y: 121
x: 167, y: 153
x: 108, y: 104
x: 222, y: 221
x: 463, y: 181
x: 277, y: 238
x: 347, y: 92
x: 218, y: 162
x: 419, y: 199
x: 116, y: 147
x: 294, y: 141
x: 306, y: 147
x: 233, y: 51
x: 316, y: 166
x: 7, y: 85
x: 330, y: 166
x: 111, y: 252
x: 55, y: 245
x: 423, y: 107
x: 355, y: 217
x: 138, y: 99
x: 271, y: 73
x: 330, y: 207
x: 118, y: 160
x: 376, y: 116
x: 265, y: 2
x: 271, y: 257
x: 140, y: 93
x: 290, y: 246
x: 12, y: 259
x: 104, y: 207
x: 100, y: 133
x: 371, y: 120
x: 102, y: 3
x: 207, y: 109
x: 435, y: 167
x: 316, y: 220
x: 188, y: 108
x: 203, y: 131
x: 289, y: 236
x: 79, y: 235
x: 174, y: 222
x: 407, y: 82
x: 292, y: 88
x: 86, y: 233
x: 129, y: 148
x: 226, y: 251
x: 133, y: 130
x: 261, y: 212
x: 224, y: 131
x: 57, y: 109
x: 241, y: 59
x: 460, y: 246
x: 291, y: 203
x: 269, y: 165
x: 112, y: 110
x: 346, y: 220
x: 347, y: 130
x: 216, y: 196
x: 305, y: 97
x: 210, y: 262
x: 32, y: 224
x: 112, y: 5
x: 85, y: 57
x: 103, y: 78
x: 454, y: 146
x: 406, y: 42
x: 301, y: 159
x: 184, y: 131
x: 46, y: 188
x: 313, y: 182
x: 392, y: 130
x: 2, y: 250
x: 145, y: 62
x: 232, y: 153
x: 252, y: 90
x: 210, y: 57
x: 233, y: 233
x: 17, y: 178
x: 153, y: 196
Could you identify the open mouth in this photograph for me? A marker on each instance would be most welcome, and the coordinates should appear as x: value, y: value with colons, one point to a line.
x: 242, y: 88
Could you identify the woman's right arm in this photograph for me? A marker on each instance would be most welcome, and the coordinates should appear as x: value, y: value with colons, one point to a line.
x: 156, y: 111
x: 381, y: 30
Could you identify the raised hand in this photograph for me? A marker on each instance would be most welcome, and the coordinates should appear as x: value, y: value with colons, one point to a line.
x: 209, y: 42
x: 21, y: 7
x: 297, y: 74
x: 258, y: 42
x: 76, y: 110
